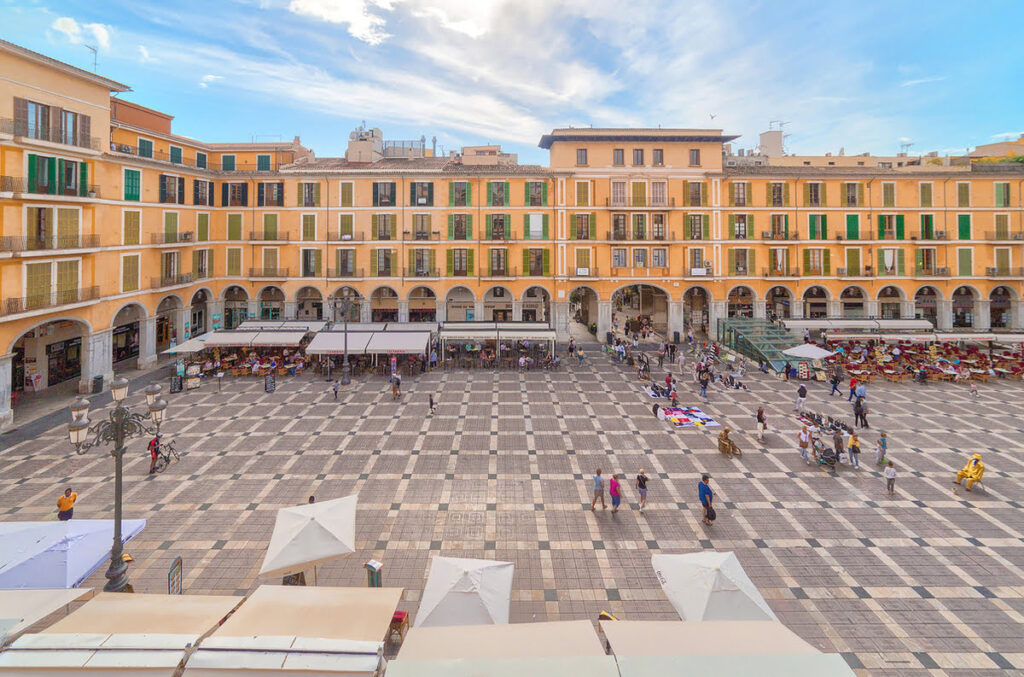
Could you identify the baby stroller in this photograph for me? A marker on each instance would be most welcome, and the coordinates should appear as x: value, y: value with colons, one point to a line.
x: 826, y: 456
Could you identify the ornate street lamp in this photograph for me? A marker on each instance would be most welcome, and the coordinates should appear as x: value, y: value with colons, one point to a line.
x: 121, y: 425
x: 345, y: 305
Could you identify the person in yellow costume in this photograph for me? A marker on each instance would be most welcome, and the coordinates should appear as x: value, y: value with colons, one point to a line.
x: 972, y: 472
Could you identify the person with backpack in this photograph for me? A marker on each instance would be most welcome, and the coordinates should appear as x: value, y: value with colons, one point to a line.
x: 762, y: 424
x: 835, y: 384
x: 641, y: 488
x: 706, y: 497
x: 801, y: 398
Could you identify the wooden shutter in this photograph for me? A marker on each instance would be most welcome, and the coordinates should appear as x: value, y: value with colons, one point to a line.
x: 919, y: 261
x: 234, y: 226
x: 32, y: 171
x: 163, y: 188
x: 768, y: 194
x: 181, y: 190
x: 687, y: 235
x: 308, y: 227
x: 900, y: 227
x: 469, y: 194
x: 853, y: 261
x: 824, y: 226
x: 964, y: 266
x: 374, y: 255
x: 346, y: 194
x: 490, y: 193
x: 860, y: 194
x: 430, y: 198
x: 451, y: 226
x: 1003, y: 261
x: 270, y: 226
x: 234, y: 261
x: 812, y: 225
x: 593, y: 226
x: 245, y: 195
x: 732, y: 226
x: 526, y: 262
x: 852, y: 227
x: 394, y: 226
x: 373, y: 226
x: 705, y: 227
x: 38, y: 284
x: 821, y: 188
x: 547, y: 262
x: 544, y: 193
x: 195, y: 191
x: 450, y: 262
x: 963, y: 194
x: 67, y: 281
x: 826, y: 262
x: 451, y: 194
x: 785, y: 194
x: 489, y: 218
x: 316, y: 194
x: 224, y: 192
x: 170, y: 227
x: 505, y: 194
x: 317, y: 262
x: 544, y: 227
x: 732, y: 194
x: 469, y: 226
x: 129, y: 273
x: 926, y: 195
x: 83, y: 179
x: 899, y: 262
x: 202, y: 227
x: 881, y: 227
x: 963, y: 222
x: 260, y: 194
x: 843, y: 202
x: 433, y: 262
x: 785, y: 226
x: 1002, y: 227
x: 732, y: 261
x: 195, y: 263
x: 807, y: 194
x: 469, y: 262
x: 345, y: 225
x: 132, y: 227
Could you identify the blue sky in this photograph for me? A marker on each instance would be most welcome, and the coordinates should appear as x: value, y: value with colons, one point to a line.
x: 866, y: 76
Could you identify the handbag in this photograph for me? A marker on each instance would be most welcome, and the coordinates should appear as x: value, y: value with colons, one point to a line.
x: 711, y: 514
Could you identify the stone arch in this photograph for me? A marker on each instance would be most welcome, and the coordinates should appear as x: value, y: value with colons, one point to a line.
x: 890, y: 299
x: 1000, y: 306
x: 926, y: 298
x: 584, y: 306
x: 271, y: 300
x: 42, y: 323
x: 355, y: 304
x: 697, y: 301
x: 309, y: 303
x: 53, y: 351
x: 384, y: 304
x: 422, y: 302
x: 234, y: 292
x: 535, y: 304
x: 236, y: 306
x: 498, y: 301
x: 740, y: 301
x: 964, y: 301
x: 126, y: 337
x: 816, y: 299
x: 137, y: 307
x: 643, y: 300
x: 853, y: 301
x: 460, y: 304
x: 779, y: 301
x: 936, y: 291
x: 168, y: 320
x: 900, y: 294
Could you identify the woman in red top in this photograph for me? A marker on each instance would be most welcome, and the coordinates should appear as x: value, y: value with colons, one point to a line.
x: 615, y: 489
x: 853, y: 388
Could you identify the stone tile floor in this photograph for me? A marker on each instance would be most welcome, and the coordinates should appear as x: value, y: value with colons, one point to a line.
x: 922, y: 583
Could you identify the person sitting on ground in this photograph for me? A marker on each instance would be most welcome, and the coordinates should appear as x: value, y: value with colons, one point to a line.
x: 971, y: 473
x: 726, y: 445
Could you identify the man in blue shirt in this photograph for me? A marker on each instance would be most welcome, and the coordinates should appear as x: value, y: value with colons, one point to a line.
x: 598, y: 491
x: 706, y: 496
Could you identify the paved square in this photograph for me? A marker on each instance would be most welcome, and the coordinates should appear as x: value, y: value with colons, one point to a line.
x: 921, y: 582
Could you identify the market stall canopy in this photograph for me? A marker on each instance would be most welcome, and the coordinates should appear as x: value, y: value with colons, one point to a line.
x: 306, y: 535
x: 807, y: 351
x: 462, y: 591
x: 859, y: 323
x: 493, y: 331
x: 230, y: 339
x: 118, y: 613
x: 278, y: 338
x: 333, y: 343
x: 556, y: 666
x: 21, y: 609
x: 915, y: 337
x: 193, y: 345
x: 710, y: 586
x: 58, y: 554
x: 262, y: 656
x: 399, y: 342
x: 720, y: 648
x: 284, y: 325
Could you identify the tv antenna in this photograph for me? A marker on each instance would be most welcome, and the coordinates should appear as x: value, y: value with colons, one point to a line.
x: 95, y: 52
x: 905, y: 146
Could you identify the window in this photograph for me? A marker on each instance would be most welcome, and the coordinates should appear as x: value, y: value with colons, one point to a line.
x: 581, y: 229
x: 169, y: 268
x: 963, y: 194
x: 1002, y: 195
x: 536, y: 226
x: 890, y: 262
x: 964, y: 261
x: 583, y: 262
x: 888, y: 194
x: 739, y: 226
x: 619, y: 231
x: 132, y: 184
x: 639, y: 258
x: 130, y: 273
x: 201, y: 160
x: 68, y: 177
x: 963, y: 226
x: 695, y: 193
x: 926, y: 259
x: 813, y: 194
x: 421, y: 226
x: 657, y: 226
x: 1002, y: 227
x: 1002, y: 261
x: 926, y: 194
x: 227, y: 163
x: 639, y: 194
x: 422, y: 263
x: 638, y: 157
x: 618, y: 193
x: 695, y: 157
x: 309, y: 194
x: 498, y: 226
x: 618, y: 157
x: 778, y: 197
x: 639, y: 226
x: 309, y: 227
x: 658, y: 157
x: 497, y: 193
x: 927, y: 226
x: 234, y: 266
x: 741, y: 261
x: 459, y: 194
x: 346, y: 263
x: 271, y: 195
x: 886, y: 227
x: 202, y: 227
x: 39, y: 228
x: 169, y: 189
x: 659, y: 257
x: 619, y: 257
x: 263, y: 163
x: 422, y: 193
x: 659, y: 193
x: 383, y: 259
x: 536, y: 193
x: 460, y: 261
x: 740, y: 194
x: 780, y: 227
x: 696, y: 226
x: 145, y: 148
x: 234, y: 226
x: 697, y: 258
x: 384, y: 227
x: 175, y: 155
x: 347, y: 190
x: 132, y: 227
x: 37, y: 122
x: 852, y: 194
x: 237, y: 195
x: 171, y: 227
x: 813, y: 259
x: 202, y: 263
x: 817, y: 226
x: 582, y: 193
x: 270, y: 261
x: 458, y: 227
x: 310, y: 263
x: 201, y: 192
x: 536, y: 260
x: 68, y: 127
x: 581, y: 156
x: 499, y: 260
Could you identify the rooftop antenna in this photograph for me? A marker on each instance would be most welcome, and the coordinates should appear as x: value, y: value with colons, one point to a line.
x: 905, y: 146
x: 95, y: 51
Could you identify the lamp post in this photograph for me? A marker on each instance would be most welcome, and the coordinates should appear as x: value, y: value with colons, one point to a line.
x: 346, y: 306
x: 121, y: 425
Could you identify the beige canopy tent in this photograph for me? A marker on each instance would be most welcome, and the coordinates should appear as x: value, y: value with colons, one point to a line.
x: 21, y: 609
x: 333, y: 343
x: 116, y: 633
x: 309, y: 534
x: 719, y: 648
x: 552, y: 648
x: 285, y: 325
x: 315, y: 630
x: 193, y: 345
x: 230, y: 339
x: 278, y: 338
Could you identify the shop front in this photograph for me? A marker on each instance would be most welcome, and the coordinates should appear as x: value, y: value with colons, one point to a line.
x: 63, y: 361
x: 126, y: 341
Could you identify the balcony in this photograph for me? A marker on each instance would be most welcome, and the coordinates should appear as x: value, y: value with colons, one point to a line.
x: 778, y: 235
x: 50, y: 300
x: 866, y: 271
x: 338, y: 273
x: 422, y: 235
x: 274, y: 273
x: 780, y: 272
x: 21, y: 128
x: 337, y: 236
x: 1003, y: 236
x: 931, y: 271
x: 741, y: 272
x: 1004, y: 271
x: 418, y: 271
x: 170, y: 280
x: 629, y: 202
x: 17, y: 184
x: 172, y: 238
x: 265, y: 236
x: 240, y: 167
x: 505, y: 272
x: 17, y: 243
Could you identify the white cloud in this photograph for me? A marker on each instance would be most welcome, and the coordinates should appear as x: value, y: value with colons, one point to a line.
x: 144, y: 55
x: 205, y: 81
x: 82, y: 33
x: 362, y: 24
x: 922, y: 81
x: 1008, y: 135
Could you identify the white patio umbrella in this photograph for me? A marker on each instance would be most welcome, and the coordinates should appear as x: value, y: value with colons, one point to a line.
x: 807, y: 351
x: 307, y: 535
x: 466, y: 592
x: 710, y: 586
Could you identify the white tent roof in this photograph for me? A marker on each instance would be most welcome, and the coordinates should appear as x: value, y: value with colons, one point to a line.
x: 287, y: 325
x: 741, y: 665
x: 56, y: 554
x: 710, y: 586
x: 20, y: 609
x: 807, y: 351
x: 399, y: 342
x: 56, y: 655
x: 278, y: 338
x: 230, y: 339
x: 333, y: 343
x: 591, y: 666
x: 308, y: 534
x: 517, y: 640
x: 116, y: 613
x: 466, y: 592
x: 259, y: 655
x: 859, y: 323
x: 193, y: 345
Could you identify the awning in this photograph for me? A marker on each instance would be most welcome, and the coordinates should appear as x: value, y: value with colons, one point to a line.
x: 285, y: 655
x: 230, y: 339
x: 333, y: 343
x: 399, y: 342
x: 917, y: 337
x: 808, y: 351
x: 558, y: 666
x: 965, y: 336
x: 20, y: 609
x: 287, y: 325
x: 117, y: 613
x: 513, y: 332
x: 278, y: 338
x: 859, y: 323
x: 193, y: 345
x: 518, y: 640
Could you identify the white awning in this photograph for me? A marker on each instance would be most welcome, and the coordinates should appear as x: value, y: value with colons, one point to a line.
x: 399, y: 342
x: 860, y: 323
x: 560, y: 666
x: 262, y: 655
x: 333, y: 343
x: 512, y: 333
x: 965, y: 336
x: 193, y: 345
x: 278, y: 338
x: 230, y: 339
x: 408, y: 326
x: 916, y: 337
x: 287, y: 325
x: 20, y: 609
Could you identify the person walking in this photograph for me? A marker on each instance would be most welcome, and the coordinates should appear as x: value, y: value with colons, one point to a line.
x: 334, y: 387
x: 855, y: 450
x: 801, y: 398
x: 787, y: 368
x: 154, y: 452
x: 66, y: 505
x: 430, y: 399
x: 641, y: 488
x: 890, y: 478
x: 598, y: 491
x: 572, y: 347
x: 862, y: 390
x: 762, y: 424
x: 853, y: 389
x: 672, y: 352
x: 864, y: 412
x: 837, y: 442
x: 704, y: 380
x: 661, y: 356
x: 615, y: 491
x: 858, y: 409
x: 835, y: 384
x: 881, y: 448
x: 706, y: 497
x: 681, y: 361
x: 804, y: 440
x: 579, y: 356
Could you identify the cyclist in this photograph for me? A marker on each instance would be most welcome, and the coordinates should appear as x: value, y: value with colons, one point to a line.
x: 154, y: 452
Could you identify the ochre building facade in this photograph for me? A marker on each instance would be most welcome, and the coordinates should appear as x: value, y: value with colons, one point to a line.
x: 119, y: 237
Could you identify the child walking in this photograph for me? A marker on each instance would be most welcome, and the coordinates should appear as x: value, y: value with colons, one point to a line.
x: 430, y: 398
x: 880, y: 450
x: 890, y: 478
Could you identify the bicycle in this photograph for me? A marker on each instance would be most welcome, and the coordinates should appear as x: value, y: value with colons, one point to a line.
x: 167, y: 454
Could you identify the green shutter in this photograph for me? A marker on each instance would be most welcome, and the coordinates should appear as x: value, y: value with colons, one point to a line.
x: 925, y: 234
x: 544, y: 193
x: 202, y: 227
x: 768, y: 194
x: 899, y: 262
x: 926, y: 195
x: 469, y: 225
x: 526, y: 226
x: 1003, y: 261
x: 963, y: 195
x: 450, y: 262
x: 852, y: 227
x: 964, y: 262
x: 785, y: 194
x: 881, y: 227
x: 83, y: 179
x: 547, y: 262
x: 316, y: 194
x: 505, y: 194
x: 843, y: 202
x: 52, y: 174
x: 433, y: 262
x: 686, y: 227
x: 469, y: 262
x: 919, y: 261
x: 807, y: 261
x: 881, y: 262
x: 393, y: 259
x: 900, y: 227
x: 821, y: 189
x: 593, y: 226
x: 489, y: 219
x: 732, y: 227
x: 526, y: 193
x: 373, y: 262
x: 812, y: 224
x: 451, y: 193
x: 490, y: 193
x: 824, y: 225
x: 732, y: 261
x: 270, y: 226
x: 526, y: 262
x: 826, y: 262
x: 706, y: 227
x: 346, y: 194
x: 704, y: 194
x: 860, y: 194
x: 807, y: 194
x: 234, y: 226
x: 963, y: 222
x: 853, y: 261
x: 394, y: 226
x: 346, y: 225
x: 572, y: 227
x: 373, y: 226
x: 469, y: 194
x: 785, y: 225
x: 732, y: 194
x: 545, y: 228
x: 32, y: 176
x: 451, y: 226
x: 750, y: 262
